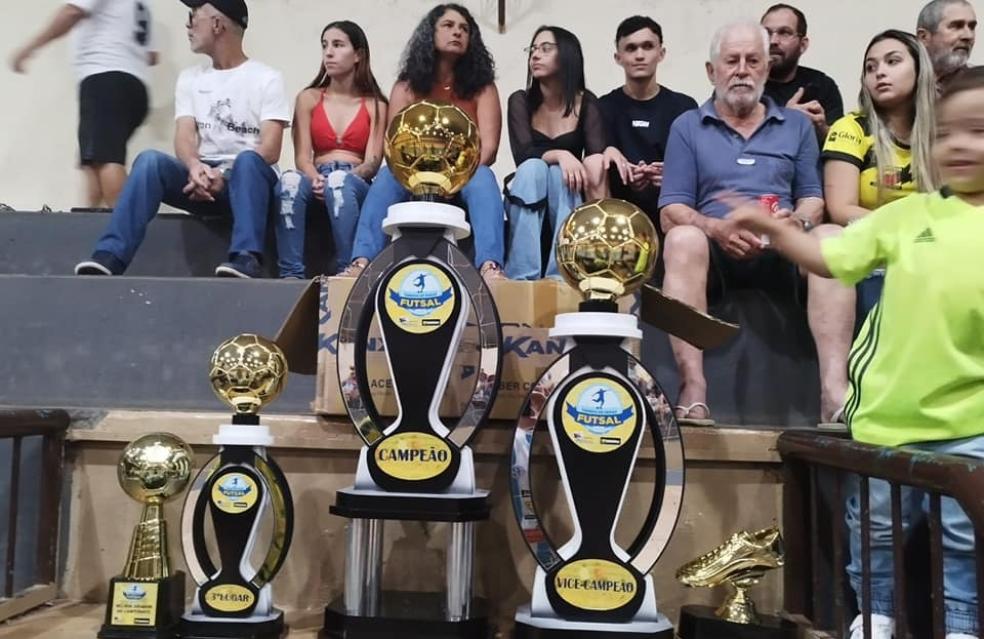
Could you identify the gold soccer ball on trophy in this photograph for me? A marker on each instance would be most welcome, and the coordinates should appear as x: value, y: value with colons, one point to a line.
x: 432, y: 148
x: 607, y: 248
x: 247, y: 372
x: 154, y: 467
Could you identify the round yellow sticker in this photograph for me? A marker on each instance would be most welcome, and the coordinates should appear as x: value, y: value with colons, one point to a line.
x: 413, y: 456
x: 599, y: 414
x: 234, y: 493
x: 229, y: 598
x: 595, y: 584
x: 419, y: 298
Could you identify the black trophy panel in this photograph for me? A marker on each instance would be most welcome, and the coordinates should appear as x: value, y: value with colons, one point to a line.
x: 405, y: 614
x: 526, y: 631
x: 273, y: 629
x: 163, y: 624
x: 700, y: 622
x: 358, y: 505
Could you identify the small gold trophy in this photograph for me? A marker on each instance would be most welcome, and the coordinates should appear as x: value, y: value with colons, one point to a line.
x: 740, y: 562
x: 235, y: 491
x: 146, y: 600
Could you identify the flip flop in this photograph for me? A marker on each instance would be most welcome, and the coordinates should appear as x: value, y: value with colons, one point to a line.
x: 836, y: 422
x: 693, y: 421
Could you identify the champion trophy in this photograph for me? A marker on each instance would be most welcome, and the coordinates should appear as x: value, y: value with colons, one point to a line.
x: 597, y: 401
x: 422, y: 291
x: 231, y: 495
x: 147, y: 599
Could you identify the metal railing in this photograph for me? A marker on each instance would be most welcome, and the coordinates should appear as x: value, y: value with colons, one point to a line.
x: 816, y: 468
x: 43, y: 433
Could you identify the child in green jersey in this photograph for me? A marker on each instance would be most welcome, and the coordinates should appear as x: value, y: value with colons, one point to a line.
x: 917, y: 367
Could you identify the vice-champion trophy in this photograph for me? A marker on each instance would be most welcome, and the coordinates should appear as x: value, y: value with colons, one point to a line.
x: 597, y: 401
x: 422, y: 290
x: 231, y: 496
x: 740, y: 562
x: 147, y: 599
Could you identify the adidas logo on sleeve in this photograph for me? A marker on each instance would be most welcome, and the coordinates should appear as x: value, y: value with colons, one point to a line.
x: 925, y: 236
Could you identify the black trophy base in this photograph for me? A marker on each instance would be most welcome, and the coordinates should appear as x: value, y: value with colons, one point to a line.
x: 352, y: 503
x: 700, y: 622
x: 233, y: 629
x: 527, y: 631
x: 133, y: 617
x: 418, y: 615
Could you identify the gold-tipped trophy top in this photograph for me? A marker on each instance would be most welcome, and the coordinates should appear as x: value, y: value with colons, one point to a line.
x: 432, y: 148
x: 247, y: 372
x: 607, y: 249
x: 154, y: 467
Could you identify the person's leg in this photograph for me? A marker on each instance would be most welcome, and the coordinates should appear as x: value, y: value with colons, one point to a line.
x: 560, y: 202
x: 155, y: 178
x: 93, y: 189
x: 369, y: 236
x: 250, y: 189
x: 111, y: 177
x: 293, y: 191
x: 343, y: 207
x: 880, y: 515
x: 830, y: 311
x: 525, y: 200
x: 597, y: 187
x: 483, y: 199
x: 686, y: 254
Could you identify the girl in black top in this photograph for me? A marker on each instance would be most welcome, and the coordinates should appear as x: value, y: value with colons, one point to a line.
x: 557, y: 137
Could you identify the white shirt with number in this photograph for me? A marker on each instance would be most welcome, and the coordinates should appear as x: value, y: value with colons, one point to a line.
x: 229, y: 105
x: 115, y: 35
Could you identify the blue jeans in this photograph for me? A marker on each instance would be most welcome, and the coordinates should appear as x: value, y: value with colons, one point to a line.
x: 157, y: 177
x: 344, y: 194
x: 959, y: 576
x: 481, y: 200
x: 537, y: 188
x: 869, y: 291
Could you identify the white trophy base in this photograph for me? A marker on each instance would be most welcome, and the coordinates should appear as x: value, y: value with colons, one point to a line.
x: 243, y: 435
x: 427, y: 214
x: 596, y: 325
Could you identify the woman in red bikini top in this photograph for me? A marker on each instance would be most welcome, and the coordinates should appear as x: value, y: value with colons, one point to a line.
x: 339, y: 121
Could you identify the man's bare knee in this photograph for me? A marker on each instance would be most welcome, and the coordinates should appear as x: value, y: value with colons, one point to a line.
x: 685, y: 245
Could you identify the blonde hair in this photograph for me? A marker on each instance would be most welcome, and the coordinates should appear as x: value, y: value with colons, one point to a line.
x: 924, y: 121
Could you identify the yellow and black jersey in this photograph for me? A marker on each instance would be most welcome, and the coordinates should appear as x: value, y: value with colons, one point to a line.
x: 849, y: 140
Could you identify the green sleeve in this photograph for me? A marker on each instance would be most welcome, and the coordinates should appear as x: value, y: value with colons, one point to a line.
x: 868, y: 243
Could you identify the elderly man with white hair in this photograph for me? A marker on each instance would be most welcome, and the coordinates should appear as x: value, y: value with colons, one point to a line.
x: 742, y: 145
x: 948, y: 30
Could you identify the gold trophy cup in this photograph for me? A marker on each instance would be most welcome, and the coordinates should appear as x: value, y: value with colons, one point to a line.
x: 146, y: 600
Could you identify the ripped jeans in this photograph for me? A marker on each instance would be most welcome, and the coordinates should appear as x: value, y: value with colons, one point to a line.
x: 344, y: 193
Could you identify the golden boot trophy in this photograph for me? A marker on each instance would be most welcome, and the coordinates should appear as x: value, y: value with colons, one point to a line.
x: 740, y: 562
x: 147, y: 599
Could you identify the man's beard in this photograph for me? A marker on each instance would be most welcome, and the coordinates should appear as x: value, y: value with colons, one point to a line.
x: 783, y: 65
x: 741, y: 103
x: 947, y: 63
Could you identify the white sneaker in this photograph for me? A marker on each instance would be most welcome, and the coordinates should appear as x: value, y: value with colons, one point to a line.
x: 959, y: 635
x: 882, y: 627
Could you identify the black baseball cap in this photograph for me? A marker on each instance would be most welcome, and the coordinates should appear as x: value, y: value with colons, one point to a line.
x: 235, y: 10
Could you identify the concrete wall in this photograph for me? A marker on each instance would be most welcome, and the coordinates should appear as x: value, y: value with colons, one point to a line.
x: 39, y: 114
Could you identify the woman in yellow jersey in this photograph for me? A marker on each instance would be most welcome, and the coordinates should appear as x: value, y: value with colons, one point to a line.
x: 917, y: 367
x: 881, y: 152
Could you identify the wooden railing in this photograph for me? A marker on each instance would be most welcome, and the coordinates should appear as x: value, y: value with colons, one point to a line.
x: 29, y: 579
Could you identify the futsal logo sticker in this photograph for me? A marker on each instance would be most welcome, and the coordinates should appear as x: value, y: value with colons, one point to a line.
x: 419, y: 298
x: 234, y: 493
x: 599, y: 415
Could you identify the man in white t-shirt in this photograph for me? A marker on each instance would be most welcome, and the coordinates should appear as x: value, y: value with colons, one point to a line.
x: 230, y: 116
x: 112, y: 50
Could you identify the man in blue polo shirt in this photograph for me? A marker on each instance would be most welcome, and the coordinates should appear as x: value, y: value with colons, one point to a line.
x: 740, y: 143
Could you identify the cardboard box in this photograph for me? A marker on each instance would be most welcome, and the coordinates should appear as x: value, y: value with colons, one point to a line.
x: 526, y: 312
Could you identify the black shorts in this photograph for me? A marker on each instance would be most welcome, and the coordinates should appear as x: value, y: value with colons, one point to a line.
x: 769, y: 272
x: 111, y: 107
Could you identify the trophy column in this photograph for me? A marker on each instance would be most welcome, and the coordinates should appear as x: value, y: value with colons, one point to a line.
x: 235, y: 491
x: 146, y: 600
x: 421, y: 290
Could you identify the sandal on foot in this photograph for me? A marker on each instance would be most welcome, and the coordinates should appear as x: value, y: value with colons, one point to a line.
x: 355, y: 268
x: 491, y: 271
x: 683, y: 415
x: 836, y: 422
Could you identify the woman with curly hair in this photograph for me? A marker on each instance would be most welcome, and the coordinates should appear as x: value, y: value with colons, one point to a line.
x: 338, y: 145
x: 445, y: 60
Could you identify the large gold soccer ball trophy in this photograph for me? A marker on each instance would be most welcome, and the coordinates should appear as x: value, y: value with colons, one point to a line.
x: 247, y: 371
x: 432, y: 148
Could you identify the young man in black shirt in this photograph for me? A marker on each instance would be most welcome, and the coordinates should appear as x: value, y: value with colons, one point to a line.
x: 638, y: 116
x: 794, y: 86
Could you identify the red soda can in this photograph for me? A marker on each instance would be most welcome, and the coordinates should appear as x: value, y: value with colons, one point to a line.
x: 769, y: 202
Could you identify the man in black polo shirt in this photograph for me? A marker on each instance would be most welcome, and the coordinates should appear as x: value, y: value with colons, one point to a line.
x: 638, y: 116
x: 794, y: 86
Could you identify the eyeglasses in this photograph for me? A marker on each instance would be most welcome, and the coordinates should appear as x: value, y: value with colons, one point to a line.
x: 544, y: 47
x: 784, y: 33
